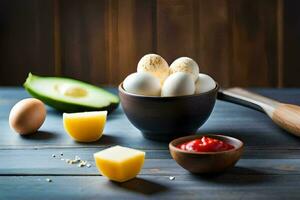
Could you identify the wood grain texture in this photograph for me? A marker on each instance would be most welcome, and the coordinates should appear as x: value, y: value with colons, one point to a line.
x: 26, y: 29
x: 158, y: 163
x: 287, y: 116
x: 213, y: 39
x: 254, y: 43
x: 238, y: 42
x: 291, y: 44
x: 176, y: 29
x: 268, y: 169
x: 57, y: 37
x: 225, y: 187
x: 130, y: 30
x: 226, y: 118
x: 83, y: 47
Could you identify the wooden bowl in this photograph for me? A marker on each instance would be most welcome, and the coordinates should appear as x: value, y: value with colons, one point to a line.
x: 206, y: 162
x: 166, y: 118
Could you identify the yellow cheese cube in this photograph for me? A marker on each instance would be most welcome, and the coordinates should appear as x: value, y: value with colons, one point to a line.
x: 85, y: 126
x: 119, y: 163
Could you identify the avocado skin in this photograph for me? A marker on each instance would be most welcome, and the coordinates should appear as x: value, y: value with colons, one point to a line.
x: 69, y: 107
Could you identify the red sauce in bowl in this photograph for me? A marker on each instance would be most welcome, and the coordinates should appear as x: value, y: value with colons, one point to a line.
x: 205, y: 144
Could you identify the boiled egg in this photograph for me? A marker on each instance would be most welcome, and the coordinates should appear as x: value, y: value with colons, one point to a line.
x: 178, y: 84
x: 142, y: 83
x: 185, y: 64
x: 27, y: 116
x: 155, y: 65
x: 204, y: 83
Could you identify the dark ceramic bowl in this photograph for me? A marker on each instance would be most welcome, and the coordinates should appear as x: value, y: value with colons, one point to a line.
x: 166, y: 118
x: 206, y: 162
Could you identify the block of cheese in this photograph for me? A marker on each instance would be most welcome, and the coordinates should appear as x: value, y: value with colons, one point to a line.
x: 119, y: 163
x: 85, y: 126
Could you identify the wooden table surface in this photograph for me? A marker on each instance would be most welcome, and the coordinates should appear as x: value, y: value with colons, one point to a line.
x: 269, y: 168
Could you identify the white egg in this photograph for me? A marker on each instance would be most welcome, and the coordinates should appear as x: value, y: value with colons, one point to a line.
x: 185, y: 64
x: 178, y: 84
x: 204, y: 83
x: 142, y: 83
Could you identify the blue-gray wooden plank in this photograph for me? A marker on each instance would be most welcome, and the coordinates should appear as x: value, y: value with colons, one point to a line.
x: 253, y: 127
x: 158, y: 162
x: 224, y: 187
x: 269, y: 168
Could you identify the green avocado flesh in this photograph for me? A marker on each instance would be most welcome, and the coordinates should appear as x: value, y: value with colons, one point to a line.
x: 69, y: 95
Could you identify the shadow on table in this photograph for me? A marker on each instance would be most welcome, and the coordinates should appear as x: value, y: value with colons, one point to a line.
x: 40, y: 135
x: 113, y: 115
x: 142, y: 186
x: 239, y: 176
x: 104, y: 140
x: 107, y: 140
x: 52, y: 111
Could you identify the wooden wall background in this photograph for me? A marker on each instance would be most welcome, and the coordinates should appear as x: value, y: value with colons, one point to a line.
x: 238, y: 42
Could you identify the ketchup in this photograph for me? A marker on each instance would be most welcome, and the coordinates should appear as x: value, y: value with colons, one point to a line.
x: 205, y: 144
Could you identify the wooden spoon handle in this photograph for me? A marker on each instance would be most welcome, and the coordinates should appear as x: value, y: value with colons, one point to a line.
x: 246, y: 98
x: 287, y: 116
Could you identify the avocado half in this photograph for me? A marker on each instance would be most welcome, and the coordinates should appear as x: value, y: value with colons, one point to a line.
x: 69, y: 95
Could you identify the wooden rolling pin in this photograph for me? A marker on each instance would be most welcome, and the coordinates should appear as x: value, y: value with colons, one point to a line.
x: 287, y: 116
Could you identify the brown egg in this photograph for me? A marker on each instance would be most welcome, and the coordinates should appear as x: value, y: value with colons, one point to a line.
x: 27, y: 116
